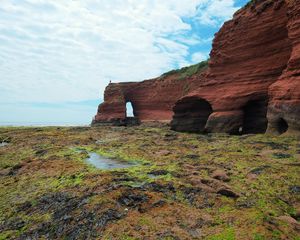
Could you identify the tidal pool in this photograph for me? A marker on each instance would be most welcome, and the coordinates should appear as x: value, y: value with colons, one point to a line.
x: 102, y: 162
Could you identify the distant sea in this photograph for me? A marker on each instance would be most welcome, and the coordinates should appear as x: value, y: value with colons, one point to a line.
x: 40, y: 124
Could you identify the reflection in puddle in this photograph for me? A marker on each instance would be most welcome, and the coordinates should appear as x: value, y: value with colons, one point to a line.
x: 3, y: 144
x: 102, y: 162
x: 153, y: 176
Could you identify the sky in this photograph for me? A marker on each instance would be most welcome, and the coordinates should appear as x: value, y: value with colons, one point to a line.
x: 57, y: 57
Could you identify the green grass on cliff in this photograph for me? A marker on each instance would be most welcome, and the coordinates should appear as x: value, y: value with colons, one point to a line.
x: 48, y: 191
x: 264, y: 6
x: 188, y: 71
x: 248, y: 4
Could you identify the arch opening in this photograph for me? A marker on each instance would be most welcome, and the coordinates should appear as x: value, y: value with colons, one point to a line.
x: 255, y: 117
x: 282, y: 126
x: 130, y: 118
x: 129, y: 110
x: 191, y: 115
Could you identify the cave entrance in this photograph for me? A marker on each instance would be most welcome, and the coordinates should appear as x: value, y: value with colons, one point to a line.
x: 129, y: 110
x: 255, y: 117
x: 282, y: 126
x: 190, y: 115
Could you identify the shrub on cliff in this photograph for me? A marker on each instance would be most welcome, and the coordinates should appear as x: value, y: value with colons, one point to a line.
x: 188, y: 71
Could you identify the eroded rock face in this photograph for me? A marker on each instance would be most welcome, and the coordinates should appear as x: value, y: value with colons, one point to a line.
x: 284, y: 105
x: 252, y: 83
x: 152, y: 100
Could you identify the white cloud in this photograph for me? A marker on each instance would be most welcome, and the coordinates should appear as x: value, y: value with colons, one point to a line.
x: 215, y: 12
x: 53, y: 51
x: 198, y: 57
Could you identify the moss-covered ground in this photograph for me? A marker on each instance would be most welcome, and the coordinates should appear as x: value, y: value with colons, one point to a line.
x: 185, y: 186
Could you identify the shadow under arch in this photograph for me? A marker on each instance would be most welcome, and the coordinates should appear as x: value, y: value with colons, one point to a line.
x: 282, y: 126
x: 255, y: 116
x: 191, y: 115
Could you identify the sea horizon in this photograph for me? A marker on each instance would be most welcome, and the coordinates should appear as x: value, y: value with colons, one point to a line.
x: 42, y: 124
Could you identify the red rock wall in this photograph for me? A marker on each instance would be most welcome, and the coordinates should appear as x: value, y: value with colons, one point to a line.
x: 284, y: 94
x: 255, y: 59
x: 152, y: 100
x: 249, y: 54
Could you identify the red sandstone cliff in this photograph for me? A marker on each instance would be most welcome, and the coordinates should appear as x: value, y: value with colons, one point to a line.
x: 151, y: 99
x: 254, y: 69
x: 284, y: 105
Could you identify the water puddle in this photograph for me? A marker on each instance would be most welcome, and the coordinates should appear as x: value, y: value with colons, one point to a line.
x: 107, y: 163
x: 152, y: 176
x: 157, y: 174
x: 3, y: 144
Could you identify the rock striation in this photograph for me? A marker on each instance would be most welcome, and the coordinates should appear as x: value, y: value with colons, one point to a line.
x: 251, y: 83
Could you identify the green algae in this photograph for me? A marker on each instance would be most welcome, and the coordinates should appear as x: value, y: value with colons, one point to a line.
x: 47, y: 162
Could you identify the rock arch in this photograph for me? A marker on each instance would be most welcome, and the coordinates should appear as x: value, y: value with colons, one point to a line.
x: 191, y: 115
x: 131, y: 117
x: 130, y: 111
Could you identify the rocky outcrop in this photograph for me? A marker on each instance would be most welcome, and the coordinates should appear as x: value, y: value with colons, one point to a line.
x: 249, y: 54
x: 152, y: 100
x: 284, y: 105
x: 252, y: 83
